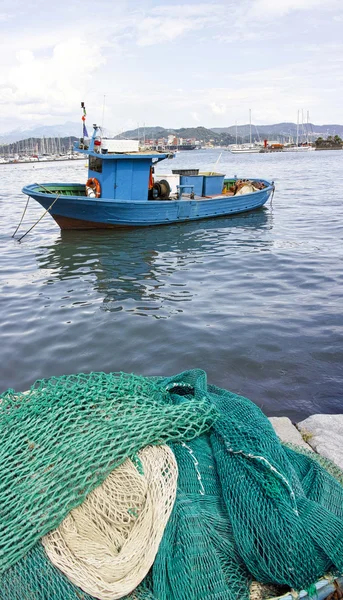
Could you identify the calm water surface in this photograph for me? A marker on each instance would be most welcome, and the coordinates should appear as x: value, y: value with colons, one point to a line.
x: 255, y: 300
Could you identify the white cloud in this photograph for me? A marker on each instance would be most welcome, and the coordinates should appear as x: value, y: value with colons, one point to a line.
x: 195, y: 116
x: 34, y: 86
x: 218, y: 109
x: 192, y: 77
x: 166, y: 23
x: 273, y: 94
x: 279, y: 8
x: 5, y: 17
x: 25, y: 57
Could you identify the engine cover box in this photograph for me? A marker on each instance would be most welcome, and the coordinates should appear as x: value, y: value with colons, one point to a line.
x: 119, y: 145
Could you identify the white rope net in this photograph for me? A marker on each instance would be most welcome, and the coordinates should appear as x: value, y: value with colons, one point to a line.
x: 107, y: 545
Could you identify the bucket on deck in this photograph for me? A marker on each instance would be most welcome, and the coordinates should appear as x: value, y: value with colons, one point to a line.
x: 194, y: 180
x: 213, y: 183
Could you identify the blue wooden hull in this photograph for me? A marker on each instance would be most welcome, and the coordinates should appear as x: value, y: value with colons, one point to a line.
x: 81, y: 212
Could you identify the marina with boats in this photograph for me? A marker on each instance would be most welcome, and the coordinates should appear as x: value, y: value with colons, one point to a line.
x: 273, y: 146
x: 241, y: 140
x: 34, y: 150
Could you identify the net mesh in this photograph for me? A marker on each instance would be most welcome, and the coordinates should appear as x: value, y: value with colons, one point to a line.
x: 34, y: 577
x: 247, y: 508
x: 107, y: 545
x: 62, y: 439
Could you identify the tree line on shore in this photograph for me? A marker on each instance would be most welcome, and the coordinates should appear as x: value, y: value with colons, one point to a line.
x: 329, y: 142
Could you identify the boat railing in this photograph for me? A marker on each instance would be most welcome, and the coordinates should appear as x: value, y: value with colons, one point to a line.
x: 181, y: 188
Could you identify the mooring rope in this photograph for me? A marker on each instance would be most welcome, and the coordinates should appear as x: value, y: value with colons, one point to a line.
x: 22, y: 216
x: 40, y: 218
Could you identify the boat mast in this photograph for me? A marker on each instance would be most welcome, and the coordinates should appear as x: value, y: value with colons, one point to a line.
x: 250, y: 124
x: 298, y: 129
x: 302, y: 125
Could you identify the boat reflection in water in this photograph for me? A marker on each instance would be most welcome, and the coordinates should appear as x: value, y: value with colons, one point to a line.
x: 148, y: 272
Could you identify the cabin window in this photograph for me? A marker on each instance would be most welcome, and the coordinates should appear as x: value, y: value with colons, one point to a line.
x: 95, y: 164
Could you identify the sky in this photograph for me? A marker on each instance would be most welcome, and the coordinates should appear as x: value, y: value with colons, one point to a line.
x: 173, y: 64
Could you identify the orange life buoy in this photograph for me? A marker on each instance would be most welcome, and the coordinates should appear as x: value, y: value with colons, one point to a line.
x: 94, y: 185
x: 151, y: 179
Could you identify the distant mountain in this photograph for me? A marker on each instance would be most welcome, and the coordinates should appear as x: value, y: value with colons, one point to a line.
x: 74, y: 129
x: 218, y: 135
x: 199, y: 133
x: 64, y: 130
x: 281, y: 130
x: 148, y: 132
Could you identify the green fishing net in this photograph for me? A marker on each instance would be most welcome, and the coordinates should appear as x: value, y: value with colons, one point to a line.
x: 61, y: 440
x: 247, y: 508
x: 34, y: 577
x: 293, y: 451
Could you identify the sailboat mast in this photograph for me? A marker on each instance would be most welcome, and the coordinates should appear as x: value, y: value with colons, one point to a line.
x: 302, y: 125
x: 250, y: 123
x: 298, y: 129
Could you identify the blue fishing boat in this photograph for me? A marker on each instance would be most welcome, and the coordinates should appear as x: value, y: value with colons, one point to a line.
x: 122, y: 190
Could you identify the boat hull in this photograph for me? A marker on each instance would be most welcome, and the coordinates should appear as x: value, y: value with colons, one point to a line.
x: 297, y: 149
x: 246, y: 151
x: 81, y: 212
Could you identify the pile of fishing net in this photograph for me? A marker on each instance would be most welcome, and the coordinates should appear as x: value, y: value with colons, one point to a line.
x: 245, y: 186
x: 115, y: 485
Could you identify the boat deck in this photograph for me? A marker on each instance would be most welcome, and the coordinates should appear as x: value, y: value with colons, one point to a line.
x: 80, y: 190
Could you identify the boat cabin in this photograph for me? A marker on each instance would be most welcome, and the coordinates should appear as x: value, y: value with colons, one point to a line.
x: 118, y: 170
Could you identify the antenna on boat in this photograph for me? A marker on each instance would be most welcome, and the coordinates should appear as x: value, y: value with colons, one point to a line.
x: 83, y: 118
